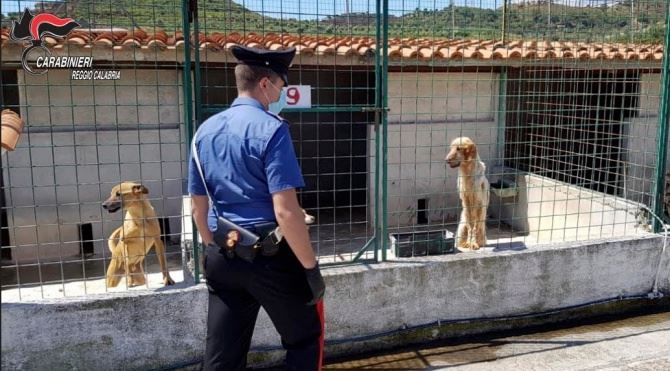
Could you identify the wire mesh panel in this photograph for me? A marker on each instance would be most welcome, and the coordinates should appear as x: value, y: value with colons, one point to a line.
x: 98, y: 84
x: 561, y: 99
x: 331, y: 99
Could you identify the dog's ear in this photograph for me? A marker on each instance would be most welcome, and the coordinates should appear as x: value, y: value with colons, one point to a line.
x: 116, y: 191
x: 470, y: 150
x: 140, y: 189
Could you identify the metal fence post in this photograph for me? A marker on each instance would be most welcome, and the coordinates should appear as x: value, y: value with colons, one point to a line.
x: 662, y: 136
x: 384, y: 122
x: 187, y: 18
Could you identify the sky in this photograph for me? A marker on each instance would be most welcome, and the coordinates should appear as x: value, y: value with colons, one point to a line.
x: 311, y: 9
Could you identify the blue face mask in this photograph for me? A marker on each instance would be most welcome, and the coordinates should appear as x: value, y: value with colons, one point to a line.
x: 279, y: 105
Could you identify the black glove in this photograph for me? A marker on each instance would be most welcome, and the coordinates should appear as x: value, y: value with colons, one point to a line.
x: 316, y: 283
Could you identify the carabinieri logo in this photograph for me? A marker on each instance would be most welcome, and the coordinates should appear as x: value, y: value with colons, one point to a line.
x: 34, y: 28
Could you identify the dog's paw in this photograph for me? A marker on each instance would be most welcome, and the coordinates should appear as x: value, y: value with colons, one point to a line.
x: 112, y: 283
x: 464, y: 247
x: 167, y: 281
x: 474, y: 246
x: 137, y: 281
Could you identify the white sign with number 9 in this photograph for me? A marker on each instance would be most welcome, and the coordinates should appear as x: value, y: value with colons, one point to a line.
x: 298, y: 96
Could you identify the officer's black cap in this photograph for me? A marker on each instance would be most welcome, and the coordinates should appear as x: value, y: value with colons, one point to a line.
x: 277, y: 60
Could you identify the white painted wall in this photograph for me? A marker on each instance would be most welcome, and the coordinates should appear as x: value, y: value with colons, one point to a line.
x: 428, y: 111
x: 73, y: 172
x: 56, y: 180
x: 642, y: 141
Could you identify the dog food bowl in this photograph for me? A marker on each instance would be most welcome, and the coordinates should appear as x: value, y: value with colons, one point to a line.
x: 422, y: 243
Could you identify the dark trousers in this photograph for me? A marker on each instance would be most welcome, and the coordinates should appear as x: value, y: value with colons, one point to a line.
x: 237, y: 290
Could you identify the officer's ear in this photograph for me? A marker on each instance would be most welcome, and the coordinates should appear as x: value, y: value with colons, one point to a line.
x: 264, y: 82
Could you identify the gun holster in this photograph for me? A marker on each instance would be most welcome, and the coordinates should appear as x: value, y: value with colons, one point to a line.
x: 234, y: 240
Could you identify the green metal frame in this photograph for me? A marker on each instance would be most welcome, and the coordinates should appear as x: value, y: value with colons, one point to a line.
x: 379, y: 240
x: 662, y: 135
x: 384, y: 122
x: 195, y: 110
x: 211, y: 109
x: 187, y: 19
x: 615, y: 159
x: 378, y: 94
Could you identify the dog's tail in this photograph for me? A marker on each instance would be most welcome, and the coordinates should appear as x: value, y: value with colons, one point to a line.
x: 114, y: 239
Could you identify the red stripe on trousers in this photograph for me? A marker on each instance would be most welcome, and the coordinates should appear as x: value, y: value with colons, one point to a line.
x: 322, y: 318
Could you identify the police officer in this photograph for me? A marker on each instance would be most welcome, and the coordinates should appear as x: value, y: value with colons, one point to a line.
x: 252, y: 173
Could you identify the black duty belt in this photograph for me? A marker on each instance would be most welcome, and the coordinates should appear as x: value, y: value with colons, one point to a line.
x: 268, y: 244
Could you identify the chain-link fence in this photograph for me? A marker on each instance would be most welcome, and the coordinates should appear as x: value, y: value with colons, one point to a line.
x: 565, y: 101
x: 562, y: 99
x: 84, y: 135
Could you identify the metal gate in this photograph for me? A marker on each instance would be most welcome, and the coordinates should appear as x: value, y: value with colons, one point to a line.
x: 567, y: 102
x: 337, y: 133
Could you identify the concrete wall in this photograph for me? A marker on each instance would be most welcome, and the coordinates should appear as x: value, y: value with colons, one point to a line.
x: 156, y: 329
x: 86, y: 137
x: 549, y: 210
x: 642, y: 137
x: 72, y: 172
x: 141, y: 96
x: 428, y: 111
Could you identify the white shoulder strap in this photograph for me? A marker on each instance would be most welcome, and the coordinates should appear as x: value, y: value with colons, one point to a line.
x: 194, y: 151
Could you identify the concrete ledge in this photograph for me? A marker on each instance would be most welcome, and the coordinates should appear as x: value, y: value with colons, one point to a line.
x: 105, y: 332
x: 367, y: 306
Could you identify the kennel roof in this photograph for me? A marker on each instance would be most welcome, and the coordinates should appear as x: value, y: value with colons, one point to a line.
x: 421, y: 50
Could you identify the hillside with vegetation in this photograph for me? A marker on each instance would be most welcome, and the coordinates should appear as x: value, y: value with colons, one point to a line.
x: 639, y: 21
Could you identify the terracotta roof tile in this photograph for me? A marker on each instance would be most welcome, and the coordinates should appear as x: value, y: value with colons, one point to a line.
x: 304, y: 50
x: 50, y: 41
x: 515, y: 53
x: 346, y: 51
x: 351, y: 46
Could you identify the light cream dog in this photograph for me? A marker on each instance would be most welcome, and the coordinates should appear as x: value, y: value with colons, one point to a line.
x: 309, y: 219
x: 131, y: 242
x: 473, y: 188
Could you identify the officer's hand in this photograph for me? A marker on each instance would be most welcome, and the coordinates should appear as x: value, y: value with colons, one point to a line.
x: 316, y: 283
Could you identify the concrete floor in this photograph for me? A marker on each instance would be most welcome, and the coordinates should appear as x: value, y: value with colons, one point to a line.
x: 637, y: 343
x: 336, y: 242
x: 78, y: 278
x: 340, y: 243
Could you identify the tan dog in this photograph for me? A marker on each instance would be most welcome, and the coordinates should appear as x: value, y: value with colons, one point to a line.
x: 131, y: 242
x: 473, y: 188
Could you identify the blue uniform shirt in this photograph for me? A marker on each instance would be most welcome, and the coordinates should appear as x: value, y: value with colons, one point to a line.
x: 246, y: 155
